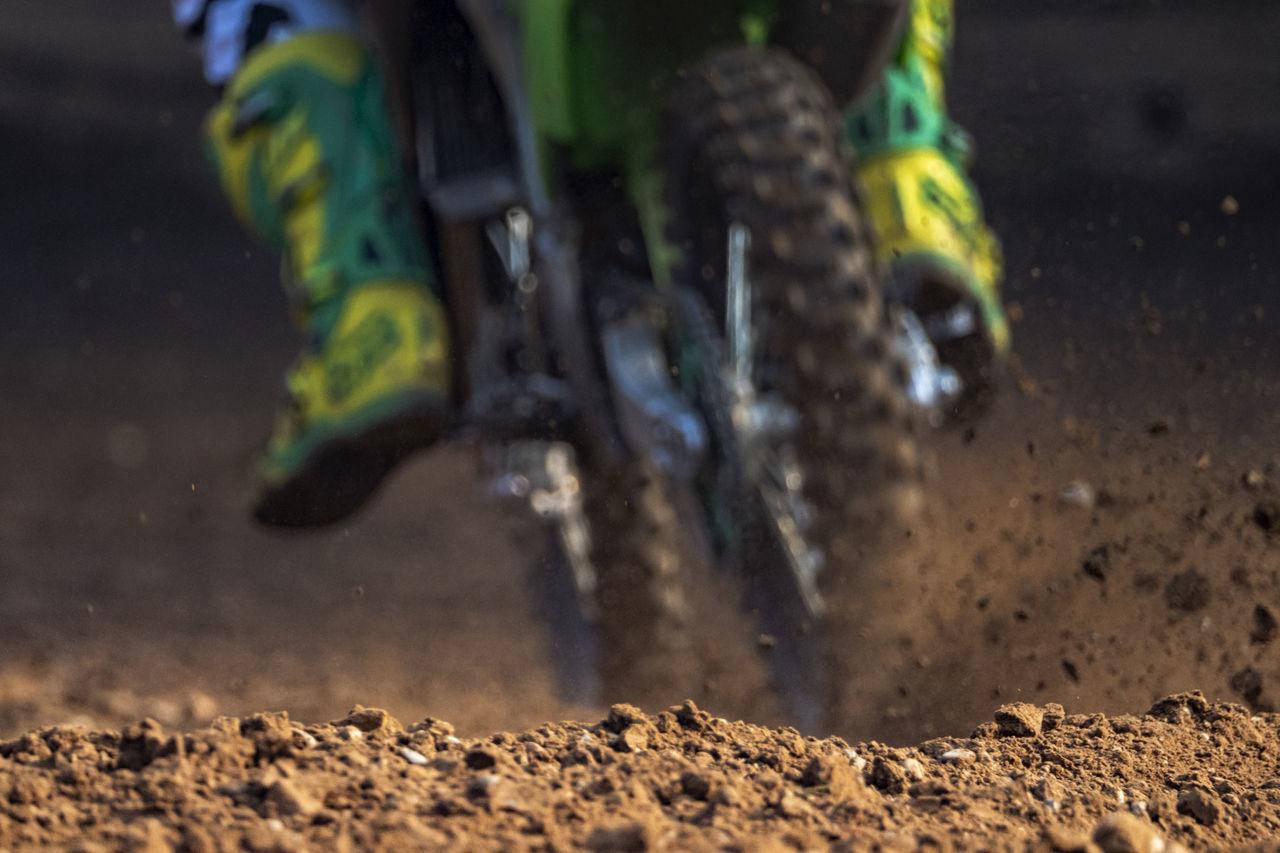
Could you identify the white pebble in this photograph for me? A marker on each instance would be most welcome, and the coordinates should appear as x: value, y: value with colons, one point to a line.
x: 959, y: 756
x: 413, y: 756
x: 453, y: 740
x: 1078, y: 493
x: 859, y: 763
x: 913, y: 768
x: 487, y: 781
x: 350, y: 733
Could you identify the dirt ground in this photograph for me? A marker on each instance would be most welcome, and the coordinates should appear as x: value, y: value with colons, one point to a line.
x: 1109, y: 535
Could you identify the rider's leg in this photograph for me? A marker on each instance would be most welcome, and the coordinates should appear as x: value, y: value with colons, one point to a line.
x: 303, y: 145
x: 944, y: 260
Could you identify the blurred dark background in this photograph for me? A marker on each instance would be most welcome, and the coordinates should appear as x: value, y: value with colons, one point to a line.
x: 1126, y: 154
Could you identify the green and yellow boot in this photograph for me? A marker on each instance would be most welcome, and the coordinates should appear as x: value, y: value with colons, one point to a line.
x: 944, y: 262
x: 303, y: 145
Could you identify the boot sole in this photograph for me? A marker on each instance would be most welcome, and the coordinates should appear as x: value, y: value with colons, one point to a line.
x: 341, y: 474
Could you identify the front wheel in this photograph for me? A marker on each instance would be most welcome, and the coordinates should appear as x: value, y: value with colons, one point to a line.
x: 751, y: 140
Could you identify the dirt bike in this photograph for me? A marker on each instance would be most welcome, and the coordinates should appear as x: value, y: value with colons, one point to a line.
x: 672, y: 338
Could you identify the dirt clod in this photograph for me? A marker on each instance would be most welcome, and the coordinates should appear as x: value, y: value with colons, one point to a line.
x: 1264, y: 625
x: 1201, y: 805
x: 1187, y: 591
x: 1122, y: 832
x: 1019, y: 719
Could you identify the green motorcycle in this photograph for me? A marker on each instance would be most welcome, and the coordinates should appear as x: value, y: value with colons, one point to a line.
x: 672, y: 338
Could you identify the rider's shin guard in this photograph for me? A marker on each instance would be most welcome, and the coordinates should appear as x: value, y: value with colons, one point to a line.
x: 928, y: 217
x: 304, y: 148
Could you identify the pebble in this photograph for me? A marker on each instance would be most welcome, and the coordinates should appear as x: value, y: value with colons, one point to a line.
x: 959, y: 756
x: 633, y: 739
x: 913, y: 768
x: 1122, y: 832
x: 413, y: 756
x: 1199, y: 805
x: 1078, y: 493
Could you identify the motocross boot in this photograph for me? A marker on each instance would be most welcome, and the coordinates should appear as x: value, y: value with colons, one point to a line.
x: 304, y: 148
x: 944, y: 262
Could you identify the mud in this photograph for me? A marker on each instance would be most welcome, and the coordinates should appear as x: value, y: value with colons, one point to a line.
x: 1109, y: 535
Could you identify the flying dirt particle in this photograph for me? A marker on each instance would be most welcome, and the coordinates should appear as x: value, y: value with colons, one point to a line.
x: 1137, y: 243
x: 1078, y: 493
x: 1230, y: 207
x: 1070, y: 669
x: 1264, y: 626
x: 1184, y: 227
x: 1157, y: 428
x: 1187, y: 591
x: 1203, y: 461
x: 1248, y: 683
x: 199, y: 707
x: 1098, y: 563
x: 1253, y: 479
x: 1265, y: 514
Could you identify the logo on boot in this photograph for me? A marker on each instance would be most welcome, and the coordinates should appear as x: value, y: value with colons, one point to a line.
x: 352, y: 359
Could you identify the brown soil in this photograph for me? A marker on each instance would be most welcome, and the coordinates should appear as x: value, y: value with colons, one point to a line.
x: 1108, y: 535
x: 1185, y: 774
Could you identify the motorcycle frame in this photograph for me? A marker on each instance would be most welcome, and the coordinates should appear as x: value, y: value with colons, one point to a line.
x: 581, y: 84
x: 584, y: 79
